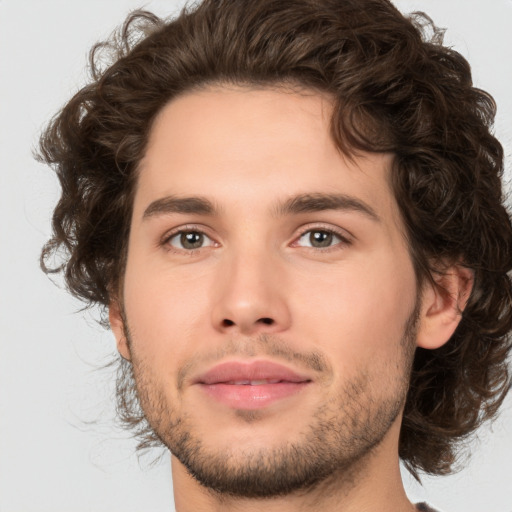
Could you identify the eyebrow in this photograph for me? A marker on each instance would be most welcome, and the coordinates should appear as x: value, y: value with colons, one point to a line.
x: 175, y: 204
x: 317, y: 202
x: 303, y: 203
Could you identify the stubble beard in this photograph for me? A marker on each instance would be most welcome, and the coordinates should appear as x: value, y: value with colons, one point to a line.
x: 339, y: 440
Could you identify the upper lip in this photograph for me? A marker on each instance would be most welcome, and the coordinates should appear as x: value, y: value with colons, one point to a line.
x: 246, y: 372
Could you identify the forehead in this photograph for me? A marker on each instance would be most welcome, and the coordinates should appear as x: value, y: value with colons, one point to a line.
x: 253, y: 145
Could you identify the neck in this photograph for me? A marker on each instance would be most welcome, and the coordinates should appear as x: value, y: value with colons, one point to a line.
x: 372, y: 484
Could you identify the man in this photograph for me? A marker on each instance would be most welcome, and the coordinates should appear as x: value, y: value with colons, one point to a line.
x: 292, y: 211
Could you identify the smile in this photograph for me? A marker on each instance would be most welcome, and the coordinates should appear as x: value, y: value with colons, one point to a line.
x: 253, y: 382
x: 254, y: 385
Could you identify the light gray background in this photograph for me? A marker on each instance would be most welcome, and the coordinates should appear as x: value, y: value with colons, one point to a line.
x: 51, y: 460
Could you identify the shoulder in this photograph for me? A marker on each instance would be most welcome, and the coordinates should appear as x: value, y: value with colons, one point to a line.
x: 423, y: 507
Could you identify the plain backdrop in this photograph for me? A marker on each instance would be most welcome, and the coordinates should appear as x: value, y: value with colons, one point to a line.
x: 59, y: 450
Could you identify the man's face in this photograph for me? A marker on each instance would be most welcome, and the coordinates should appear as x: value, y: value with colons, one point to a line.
x: 269, y: 297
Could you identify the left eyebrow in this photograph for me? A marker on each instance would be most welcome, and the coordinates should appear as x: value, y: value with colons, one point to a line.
x: 317, y: 202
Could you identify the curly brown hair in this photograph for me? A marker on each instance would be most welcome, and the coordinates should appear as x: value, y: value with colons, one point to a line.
x: 395, y: 88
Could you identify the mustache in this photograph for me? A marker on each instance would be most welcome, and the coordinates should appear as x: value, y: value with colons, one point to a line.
x: 262, y: 345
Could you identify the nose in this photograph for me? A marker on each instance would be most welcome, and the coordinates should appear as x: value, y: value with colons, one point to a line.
x: 250, y: 296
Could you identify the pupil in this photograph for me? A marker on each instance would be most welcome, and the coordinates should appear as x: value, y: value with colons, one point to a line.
x: 191, y: 240
x: 320, y: 239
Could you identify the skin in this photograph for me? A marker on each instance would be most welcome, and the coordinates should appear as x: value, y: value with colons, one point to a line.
x: 257, y: 289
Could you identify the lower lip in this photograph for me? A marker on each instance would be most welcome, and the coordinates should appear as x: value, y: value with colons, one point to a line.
x: 252, y: 397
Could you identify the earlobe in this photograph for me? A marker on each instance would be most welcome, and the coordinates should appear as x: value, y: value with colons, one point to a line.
x: 442, y: 306
x: 116, y: 320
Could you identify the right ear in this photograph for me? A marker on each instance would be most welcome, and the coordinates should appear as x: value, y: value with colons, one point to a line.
x: 118, y: 328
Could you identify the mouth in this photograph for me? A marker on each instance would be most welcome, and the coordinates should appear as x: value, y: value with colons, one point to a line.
x: 251, y: 385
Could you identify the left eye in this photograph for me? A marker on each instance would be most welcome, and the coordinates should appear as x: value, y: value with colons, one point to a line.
x: 190, y: 240
x: 319, y: 238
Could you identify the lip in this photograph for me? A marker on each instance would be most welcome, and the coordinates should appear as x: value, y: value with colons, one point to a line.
x: 251, y: 385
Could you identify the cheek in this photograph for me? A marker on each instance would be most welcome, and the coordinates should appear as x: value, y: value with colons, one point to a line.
x: 163, y: 312
x: 359, y: 314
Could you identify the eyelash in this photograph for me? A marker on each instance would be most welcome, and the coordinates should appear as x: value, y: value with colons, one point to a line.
x: 342, y: 236
x: 178, y: 232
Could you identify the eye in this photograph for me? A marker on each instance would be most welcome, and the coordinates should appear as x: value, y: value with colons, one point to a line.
x: 320, y: 239
x: 189, y: 240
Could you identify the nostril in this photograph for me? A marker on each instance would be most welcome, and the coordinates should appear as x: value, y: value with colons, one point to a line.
x: 266, y: 321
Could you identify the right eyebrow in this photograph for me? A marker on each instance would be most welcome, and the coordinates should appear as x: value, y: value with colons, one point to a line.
x: 175, y: 204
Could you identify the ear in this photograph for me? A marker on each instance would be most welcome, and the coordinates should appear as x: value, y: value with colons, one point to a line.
x: 442, y: 306
x: 117, y: 325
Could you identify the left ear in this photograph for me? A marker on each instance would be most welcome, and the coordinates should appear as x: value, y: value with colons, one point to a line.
x: 442, y: 306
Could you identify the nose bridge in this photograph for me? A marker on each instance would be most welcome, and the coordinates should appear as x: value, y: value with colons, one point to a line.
x: 250, y: 295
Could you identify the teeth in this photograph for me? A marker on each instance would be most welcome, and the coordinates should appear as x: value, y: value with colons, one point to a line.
x: 253, y: 382
x: 259, y: 382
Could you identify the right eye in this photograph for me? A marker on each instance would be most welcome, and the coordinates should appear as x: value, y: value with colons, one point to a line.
x: 189, y: 240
